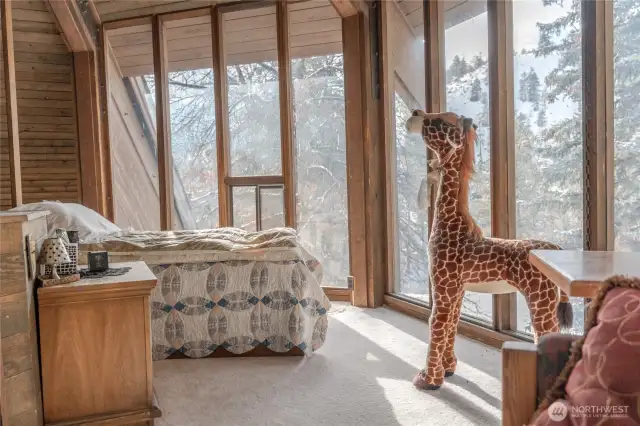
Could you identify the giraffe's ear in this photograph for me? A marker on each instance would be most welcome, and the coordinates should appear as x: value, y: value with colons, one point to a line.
x: 414, y: 124
x: 467, y: 124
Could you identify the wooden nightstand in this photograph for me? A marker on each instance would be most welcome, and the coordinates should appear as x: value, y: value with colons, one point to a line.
x: 95, y: 350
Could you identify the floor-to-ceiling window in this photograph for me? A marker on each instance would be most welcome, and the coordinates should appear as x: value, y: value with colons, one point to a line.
x: 467, y: 93
x: 193, y: 123
x: 411, y: 204
x: 317, y: 69
x: 250, y: 52
x: 626, y: 115
x: 548, y: 130
x: 407, y: 153
x: 132, y: 127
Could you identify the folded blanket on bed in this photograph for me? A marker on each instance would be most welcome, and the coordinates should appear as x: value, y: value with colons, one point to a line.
x: 221, y: 239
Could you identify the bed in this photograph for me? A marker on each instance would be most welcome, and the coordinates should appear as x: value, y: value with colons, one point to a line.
x: 219, y: 291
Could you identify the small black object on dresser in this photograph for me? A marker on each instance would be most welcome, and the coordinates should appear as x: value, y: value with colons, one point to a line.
x: 98, y: 261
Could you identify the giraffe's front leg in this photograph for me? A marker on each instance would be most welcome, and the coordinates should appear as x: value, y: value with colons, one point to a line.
x: 432, y: 376
x: 449, y: 360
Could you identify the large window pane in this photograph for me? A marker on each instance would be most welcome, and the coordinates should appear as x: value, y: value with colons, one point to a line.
x: 626, y: 54
x: 411, y: 218
x: 193, y: 124
x: 408, y: 154
x: 271, y: 207
x: 132, y: 130
x: 250, y: 49
x: 468, y: 94
x: 548, y: 123
x: 244, y: 207
x: 321, y: 172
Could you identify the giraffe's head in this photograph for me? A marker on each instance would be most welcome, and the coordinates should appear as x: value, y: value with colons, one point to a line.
x: 443, y: 133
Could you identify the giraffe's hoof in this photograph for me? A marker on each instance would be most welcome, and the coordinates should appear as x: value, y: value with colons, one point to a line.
x: 420, y: 381
x: 449, y: 373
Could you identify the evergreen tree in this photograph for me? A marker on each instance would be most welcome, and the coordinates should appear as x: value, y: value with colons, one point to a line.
x: 454, y: 71
x: 523, y: 92
x: 476, y: 90
x: 477, y: 62
x: 533, y: 87
x: 464, y: 67
x: 542, y: 117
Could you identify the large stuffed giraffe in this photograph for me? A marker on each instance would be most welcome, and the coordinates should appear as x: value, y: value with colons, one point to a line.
x: 460, y: 258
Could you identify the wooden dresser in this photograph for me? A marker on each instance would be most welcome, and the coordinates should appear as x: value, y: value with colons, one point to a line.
x: 21, y: 236
x: 95, y: 346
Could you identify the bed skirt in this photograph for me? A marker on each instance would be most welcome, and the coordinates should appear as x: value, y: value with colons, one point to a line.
x: 236, y: 302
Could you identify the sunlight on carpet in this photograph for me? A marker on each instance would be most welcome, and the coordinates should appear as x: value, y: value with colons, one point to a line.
x: 361, y: 376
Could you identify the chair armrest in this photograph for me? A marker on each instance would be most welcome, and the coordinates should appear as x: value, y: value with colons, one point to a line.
x: 519, y: 382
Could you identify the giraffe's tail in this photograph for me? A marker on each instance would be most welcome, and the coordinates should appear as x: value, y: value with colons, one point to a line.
x: 565, y: 311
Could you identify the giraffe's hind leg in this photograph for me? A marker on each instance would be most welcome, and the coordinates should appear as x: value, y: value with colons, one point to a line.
x: 542, y: 298
x: 450, y: 361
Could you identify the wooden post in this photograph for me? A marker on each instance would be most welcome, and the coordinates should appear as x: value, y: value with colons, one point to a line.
x: 366, y: 166
x: 165, y: 167
x: 287, y: 142
x: 519, y: 383
x: 388, y: 107
x: 501, y: 99
x: 106, y: 175
x: 11, y: 104
x: 72, y: 24
x: 597, y: 113
x: 353, y: 51
x: 89, y: 137
x: 222, y: 118
x: 435, y: 75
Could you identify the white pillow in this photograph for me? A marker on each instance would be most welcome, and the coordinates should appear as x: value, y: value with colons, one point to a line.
x: 90, y: 225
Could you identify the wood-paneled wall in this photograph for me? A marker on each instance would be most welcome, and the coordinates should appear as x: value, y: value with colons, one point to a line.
x: 46, y: 110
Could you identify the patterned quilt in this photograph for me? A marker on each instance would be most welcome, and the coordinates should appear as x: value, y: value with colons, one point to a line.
x: 228, y: 288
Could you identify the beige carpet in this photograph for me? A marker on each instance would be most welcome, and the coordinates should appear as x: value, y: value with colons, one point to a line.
x: 361, y: 376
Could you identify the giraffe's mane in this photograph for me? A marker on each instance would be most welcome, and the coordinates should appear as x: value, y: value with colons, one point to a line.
x: 467, y: 170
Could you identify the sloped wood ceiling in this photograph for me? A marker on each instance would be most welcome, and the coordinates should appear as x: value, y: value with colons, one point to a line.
x: 113, y: 10
x: 456, y: 11
x: 249, y: 36
x: 46, y: 111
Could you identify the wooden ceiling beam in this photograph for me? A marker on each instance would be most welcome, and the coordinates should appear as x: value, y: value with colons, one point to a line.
x: 346, y: 8
x: 72, y: 25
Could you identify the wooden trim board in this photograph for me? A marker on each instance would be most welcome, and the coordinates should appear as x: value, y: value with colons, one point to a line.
x: 476, y: 332
x: 9, y: 63
x: 353, y: 42
x: 165, y: 166
x: 503, y: 168
x: 287, y: 144
x: 597, y: 124
x: 72, y: 25
x: 337, y: 294
x: 222, y: 118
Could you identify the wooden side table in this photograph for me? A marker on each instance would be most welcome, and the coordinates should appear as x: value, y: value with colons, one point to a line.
x: 583, y: 273
x: 95, y: 349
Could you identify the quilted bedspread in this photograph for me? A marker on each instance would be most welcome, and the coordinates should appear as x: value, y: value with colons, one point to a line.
x: 228, y: 288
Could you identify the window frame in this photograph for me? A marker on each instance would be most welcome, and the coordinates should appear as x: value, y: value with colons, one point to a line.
x: 597, y: 109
